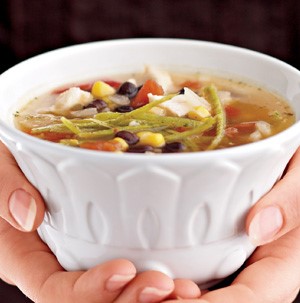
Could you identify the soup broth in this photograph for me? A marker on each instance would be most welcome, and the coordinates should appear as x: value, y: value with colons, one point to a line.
x: 156, y: 112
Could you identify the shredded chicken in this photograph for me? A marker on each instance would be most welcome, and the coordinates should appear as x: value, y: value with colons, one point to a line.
x: 72, y: 99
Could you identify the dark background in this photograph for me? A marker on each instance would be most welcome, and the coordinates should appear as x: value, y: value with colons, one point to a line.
x: 30, y: 27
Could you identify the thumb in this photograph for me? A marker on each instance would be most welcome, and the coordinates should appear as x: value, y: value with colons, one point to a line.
x: 20, y: 203
x: 278, y: 212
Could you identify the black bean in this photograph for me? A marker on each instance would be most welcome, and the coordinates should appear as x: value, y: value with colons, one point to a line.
x: 181, y: 92
x: 128, y: 89
x: 173, y: 147
x: 98, y: 104
x: 140, y: 149
x: 124, y: 108
x: 129, y: 137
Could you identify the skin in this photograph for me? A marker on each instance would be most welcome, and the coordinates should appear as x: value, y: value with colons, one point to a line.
x: 27, y: 262
x: 270, y: 276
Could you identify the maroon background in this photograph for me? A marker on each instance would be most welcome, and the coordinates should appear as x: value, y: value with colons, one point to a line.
x: 29, y: 27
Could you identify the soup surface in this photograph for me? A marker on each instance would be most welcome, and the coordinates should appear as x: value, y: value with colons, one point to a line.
x: 156, y: 112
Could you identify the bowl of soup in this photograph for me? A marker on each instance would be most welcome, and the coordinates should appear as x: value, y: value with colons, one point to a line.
x: 152, y: 150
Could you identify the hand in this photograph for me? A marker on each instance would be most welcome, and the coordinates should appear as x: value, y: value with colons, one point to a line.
x: 29, y: 264
x: 271, y: 276
x: 272, y: 273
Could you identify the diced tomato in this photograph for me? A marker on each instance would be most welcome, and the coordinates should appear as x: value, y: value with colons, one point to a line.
x: 150, y: 86
x: 87, y: 86
x: 101, y: 145
x: 60, y: 90
x: 193, y: 85
x: 54, y: 136
x: 231, y: 111
x: 210, y: 132
x: 182, y: 129
x: 112, y: 83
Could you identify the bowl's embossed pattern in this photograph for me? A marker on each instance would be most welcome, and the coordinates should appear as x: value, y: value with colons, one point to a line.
x: 149, y: 208
x: 180, y: 214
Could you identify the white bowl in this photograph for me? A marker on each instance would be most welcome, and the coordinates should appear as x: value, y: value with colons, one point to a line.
x: 182, y: 214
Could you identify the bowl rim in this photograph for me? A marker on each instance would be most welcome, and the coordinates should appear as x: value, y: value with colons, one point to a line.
x: 19, y: 136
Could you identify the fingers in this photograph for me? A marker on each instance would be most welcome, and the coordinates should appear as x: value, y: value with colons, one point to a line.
x: 147, y: 287
x: 272, y: 276
x: 103, y: 283
x: 154, y: 287
x: 6, y: 280
x: 28, y: 263
x: 114, y: 281
x: 185, y: 289
x: 21, y: 204
x: 277, y: 212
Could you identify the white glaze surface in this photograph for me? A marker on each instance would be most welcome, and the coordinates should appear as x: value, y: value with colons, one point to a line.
x: 182, y: 214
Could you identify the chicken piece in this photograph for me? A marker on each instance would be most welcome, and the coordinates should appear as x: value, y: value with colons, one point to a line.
x: 181, y: 105
x: 162, y: 77
x: 72, y: 99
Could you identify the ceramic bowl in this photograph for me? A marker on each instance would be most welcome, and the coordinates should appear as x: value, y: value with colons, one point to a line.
x: 182, y: 214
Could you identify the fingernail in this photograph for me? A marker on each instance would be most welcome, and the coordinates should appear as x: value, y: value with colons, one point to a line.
x: 116, y: 282
x: 265, y: 225
x: 23, y: 208
x: 153, y: 294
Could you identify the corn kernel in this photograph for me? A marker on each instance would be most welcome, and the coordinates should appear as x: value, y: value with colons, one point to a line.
x: 123, y: 144
x: 152, y: 139
x: 69, y: 142
x: 101, y: 89
x: 198, y: 113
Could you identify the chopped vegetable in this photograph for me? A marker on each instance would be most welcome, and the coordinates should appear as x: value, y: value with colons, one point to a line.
x: 101, y: 89
x: 102, y: 145
x: 212, y: 95
x: 152, y: 139
x: 198, y: 113
x: 54, y: 136
x: 112, y: 83
x: 123, y: 144
x: 69, y: 124
x: 206, y: 124
x: 160, y: 76
x: 193, y: 85
x: 232, y: 111
x: 155, y: 113
x: 149, y: 87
